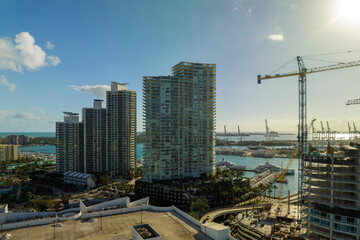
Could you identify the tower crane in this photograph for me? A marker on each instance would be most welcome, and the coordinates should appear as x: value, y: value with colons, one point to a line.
x: 302, y: 126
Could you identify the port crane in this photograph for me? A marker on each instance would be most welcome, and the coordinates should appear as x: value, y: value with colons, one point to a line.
x: 302, y: 126
x: 352, y: 102
x: 226, y: 136
x: 269, y: 135
x: 240, y: 136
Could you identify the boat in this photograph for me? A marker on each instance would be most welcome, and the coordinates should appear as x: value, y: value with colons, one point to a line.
x: 230, y: 165
x: 267, y: 166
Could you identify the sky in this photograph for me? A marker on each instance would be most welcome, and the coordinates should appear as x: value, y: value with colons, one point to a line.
x: 58, y: 56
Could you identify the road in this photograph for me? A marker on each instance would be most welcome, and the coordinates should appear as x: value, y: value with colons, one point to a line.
x: 241, y: 207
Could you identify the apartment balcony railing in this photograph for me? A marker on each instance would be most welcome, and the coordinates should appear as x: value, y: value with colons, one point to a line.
x: 341, y: 170
x: 334, y: 178
x: 336, y: 186
x: 327, y: 201
x: 337, y: 161
x: 336, y: 195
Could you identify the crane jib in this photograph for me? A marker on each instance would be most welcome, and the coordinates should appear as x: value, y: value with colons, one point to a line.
x: 310, y: 70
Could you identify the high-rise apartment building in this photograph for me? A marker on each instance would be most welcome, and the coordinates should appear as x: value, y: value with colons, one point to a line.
x: 121, y: 130
x: 69, y: 144
x: 179, y: 113
x: 332, y: 194
x: 17, y: 139
x: 8, y: 152
x: 94, y: 120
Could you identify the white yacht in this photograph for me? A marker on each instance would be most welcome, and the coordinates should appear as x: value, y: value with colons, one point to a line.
x: 229, y: 165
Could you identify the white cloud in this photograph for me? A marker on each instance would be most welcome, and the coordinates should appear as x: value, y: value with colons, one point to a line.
x: 97, y: 90
x: 6, y: 83
x: 5, y: 114
x: 249, y: 11
x: 236, y: 8
x: 53, y: 60
x: 276, y: 37
x: 24, y: 53
x: 50, y: 45
x: 26, y: 116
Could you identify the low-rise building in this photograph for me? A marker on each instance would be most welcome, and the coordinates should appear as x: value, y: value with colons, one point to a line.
x: 80, y: 179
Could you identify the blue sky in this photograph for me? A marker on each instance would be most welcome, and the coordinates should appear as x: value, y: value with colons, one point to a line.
x: 57, y: 56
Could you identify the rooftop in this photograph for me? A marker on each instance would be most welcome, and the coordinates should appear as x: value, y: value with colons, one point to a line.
x: 169, y: 225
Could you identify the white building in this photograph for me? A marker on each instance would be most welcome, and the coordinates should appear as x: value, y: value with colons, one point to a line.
x: 80, y: 179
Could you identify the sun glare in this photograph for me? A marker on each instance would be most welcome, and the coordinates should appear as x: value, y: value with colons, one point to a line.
x: 349, y: 10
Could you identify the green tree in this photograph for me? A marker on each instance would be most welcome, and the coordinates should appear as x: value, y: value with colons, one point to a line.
x: 200, y: 206
x: 269, y: 191
x: 138, y: 172
x: 194, y: 215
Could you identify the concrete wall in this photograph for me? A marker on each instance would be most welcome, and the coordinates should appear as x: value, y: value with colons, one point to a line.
x: 29, y: 223
x: 120, y: 202
x: 220, y: 234
x: 143, y: 201
x: 23, y: 216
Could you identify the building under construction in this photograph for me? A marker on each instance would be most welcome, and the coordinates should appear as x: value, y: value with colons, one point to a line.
x: 332, y: 193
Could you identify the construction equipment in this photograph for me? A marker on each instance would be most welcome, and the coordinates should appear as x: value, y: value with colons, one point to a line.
x: 302, y: 127
x: 355, y: 133
x: 352, y: 102
x: 282, y: 176
x: 331, y: 135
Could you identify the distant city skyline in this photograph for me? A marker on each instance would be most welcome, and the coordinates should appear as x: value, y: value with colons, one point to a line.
x: 54, y: 57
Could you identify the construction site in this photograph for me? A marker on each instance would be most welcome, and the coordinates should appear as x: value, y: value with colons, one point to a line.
x: 327, y: 205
